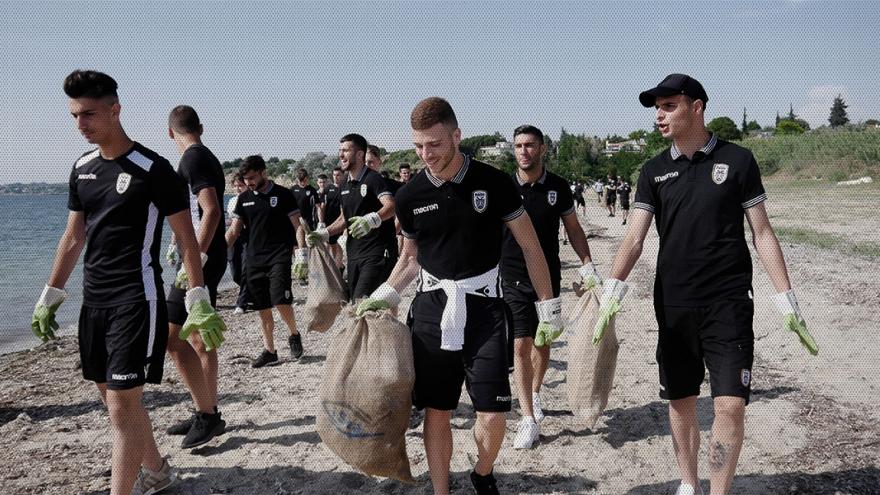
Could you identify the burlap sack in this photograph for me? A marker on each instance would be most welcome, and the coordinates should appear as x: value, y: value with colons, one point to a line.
x: 366, y: 395
x: 327, y: 292
x: 590, y: 368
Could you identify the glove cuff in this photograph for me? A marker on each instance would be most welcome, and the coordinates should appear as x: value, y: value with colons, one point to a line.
x: 204, y: 258
x: 195, y: 295
x: 373, y: 220
x: 322, y: 225
x: 587, y: 270
x: 549, y: 310
x: 614, y: 289
x: 301, y: 254
x: 386, y: 293
x: 51, y: 297
x: 786, y: 303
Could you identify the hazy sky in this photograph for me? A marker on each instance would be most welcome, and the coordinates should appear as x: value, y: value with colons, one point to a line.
x: 283, y: 79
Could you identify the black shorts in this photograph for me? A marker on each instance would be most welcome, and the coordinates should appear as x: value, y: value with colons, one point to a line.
x: 269, y: 285
x: 717, y: 337
x: 624, y: 205
x: 213, y: 273
x: 579, y: 200
x: 123, y: 346
x: 366, y: 274
x: 521, y: 298
x: 610, y: 200
x: 482, y: 364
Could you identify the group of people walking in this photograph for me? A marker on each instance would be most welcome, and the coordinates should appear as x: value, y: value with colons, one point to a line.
x: 481, y: 245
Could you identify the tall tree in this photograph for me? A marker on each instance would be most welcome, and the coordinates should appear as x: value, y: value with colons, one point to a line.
x: 745, y: 123
x: 724, y: 128
x: 777, y: 117
x: 838, y: 113
x: 791, y: 115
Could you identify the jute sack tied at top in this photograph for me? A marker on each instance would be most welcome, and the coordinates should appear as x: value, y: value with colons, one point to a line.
x: 327, y: 293
x: 366, y: 395
x: 591, y: 368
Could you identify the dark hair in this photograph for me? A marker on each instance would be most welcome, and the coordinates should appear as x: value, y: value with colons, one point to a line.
x: 301, y: 173
x: 185, y: 120
x: 337, y: 169
x: 432, y: 111
x: 372, y: 148
x: 322, y: 176
x: 359, y: 141
x: 253, y: 163
x: 403, y: 166
x: 89, y: 84
x: 528, y: 129
x: 237, y: 177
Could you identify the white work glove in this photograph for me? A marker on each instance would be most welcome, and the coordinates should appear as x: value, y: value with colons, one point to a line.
x: 182, y: 279
x: 550, y: 324
x: 361, y: 226
x: 322, y: 225
x: 301, y: 264
x: 613, y: 291
x: 590, y: 276
x: 317, y: 236
x: 171, y: 254
x: 384, y: 297
x: 787, y: 304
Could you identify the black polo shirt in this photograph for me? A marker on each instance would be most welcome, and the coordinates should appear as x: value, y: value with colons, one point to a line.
x: 700, y: 206
x: 267, y: 217
x: 457, y: 225
x: 360, y: 196
x: 200, y: 169
x: 546, y: 201
x: 623, y: 191
x: 125, y: 202
x: 332, y: 205
x: 306, y: 199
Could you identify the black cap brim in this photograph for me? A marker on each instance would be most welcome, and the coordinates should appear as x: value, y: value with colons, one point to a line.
x: 649, y: 97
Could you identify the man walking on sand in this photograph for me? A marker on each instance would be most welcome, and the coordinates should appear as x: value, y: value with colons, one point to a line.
x: 119, y: 195
x: 452, y: 216
x: 700, y: 189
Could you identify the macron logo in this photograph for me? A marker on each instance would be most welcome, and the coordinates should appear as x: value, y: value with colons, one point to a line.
x: 130, y: 376
x: 425, y: 209
x: 668, y: 176
x: 87, y: 177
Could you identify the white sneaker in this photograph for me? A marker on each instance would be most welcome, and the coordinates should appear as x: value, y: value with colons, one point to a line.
x: 685, y: 489
x: 536, y: 408
x: 527, y: 435
x: 149, y: 482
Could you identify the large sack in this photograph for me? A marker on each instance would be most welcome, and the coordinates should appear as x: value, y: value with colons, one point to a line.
x: 327, y: 292
x: 366, y: 395
x: 590, y: 368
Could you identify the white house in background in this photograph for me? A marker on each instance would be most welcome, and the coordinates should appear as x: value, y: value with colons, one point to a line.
x: 500, y: 148
x: 633, y: 145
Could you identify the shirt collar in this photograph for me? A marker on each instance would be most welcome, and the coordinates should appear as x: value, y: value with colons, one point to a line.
x: 458, y: 177
x: 360, y: 176
x: 713, y: 140
x: 540, y: 179
x: 268, y: 188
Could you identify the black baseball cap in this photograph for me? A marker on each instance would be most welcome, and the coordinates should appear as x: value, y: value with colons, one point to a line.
x: 674, y: 84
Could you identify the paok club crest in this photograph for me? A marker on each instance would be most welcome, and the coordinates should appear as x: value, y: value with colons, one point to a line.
x: 480, y: 201
x: 719, y: 173
x: 551, y: 198
x: 122, y: 182
x: 273, y: 201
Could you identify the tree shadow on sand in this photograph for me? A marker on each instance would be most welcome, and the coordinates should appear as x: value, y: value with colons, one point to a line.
x: 846, y: 482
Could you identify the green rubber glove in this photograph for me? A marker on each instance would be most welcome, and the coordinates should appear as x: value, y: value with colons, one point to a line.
x: 550, y: 325
x: 384, y: 297
x: 371, y: 305
x: 317, y: 236
x: 202, y: 317
x: 300, y: 264
x: 787, y: 304
x: 43, y: 323
x: 590, y: 276
x: 613, y: 291
x: 546, y: 334
x: 361, y: 226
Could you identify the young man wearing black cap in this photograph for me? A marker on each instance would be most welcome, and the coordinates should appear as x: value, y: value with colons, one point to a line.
x: 368, y: 210
x: 452, y: 216
x: 271, y: 215
x: 204, y: 175
x: 700, y: 189
x: 119, y: 196
x: 548, y: 200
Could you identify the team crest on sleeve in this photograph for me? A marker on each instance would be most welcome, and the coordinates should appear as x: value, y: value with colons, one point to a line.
x: 551, y: 198
x: 273, y: 201
x: 122, y: 182
x: 480, y: 201
x: 719, y: 173
x: 363, y: 190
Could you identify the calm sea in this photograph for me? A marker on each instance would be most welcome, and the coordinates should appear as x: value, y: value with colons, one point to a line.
x: 29, y: 231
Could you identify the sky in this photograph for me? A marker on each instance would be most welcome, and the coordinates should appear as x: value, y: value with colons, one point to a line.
x: 284, y: 79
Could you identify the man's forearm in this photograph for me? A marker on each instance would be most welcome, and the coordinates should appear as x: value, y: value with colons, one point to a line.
x: 770, y: 254
x: 577, y: 238
x: 626, y: 258
x: 405, y: 270
x: 207, y: 227
x: 387, y: 210
x: 337, y: 227
x: 66, y: 256
x: 539, y: 274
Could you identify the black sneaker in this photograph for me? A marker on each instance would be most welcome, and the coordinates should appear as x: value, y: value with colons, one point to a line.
x: 181, y: 427
x: 484, y: 485
x: 266, y: 359
x: 624, y: 222
x: 204, y: 428
x: 296, y: 346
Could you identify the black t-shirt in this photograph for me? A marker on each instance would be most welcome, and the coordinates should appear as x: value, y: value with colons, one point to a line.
x: 360, y: 196
x: 624, y: 191
x: 546, y: 201
x: 200, y: 169
x: 125, y: 202
x: 610, y: 190
x: 306, y: 199
x: 332, y: 205
x: 579, y: 190
x: 392, y: 185
x: 267, y: 216
x: 458, y: 224
x: 699, y: 206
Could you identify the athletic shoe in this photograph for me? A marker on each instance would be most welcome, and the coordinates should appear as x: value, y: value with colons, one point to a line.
x: 149, y: 482
x: 206, y: 427
x: 296, y: 346
x: 536, y: 408
x: 685, y: 489
x: 624, y: 222
x: 182, y: 427
x: 266, y: 359
x: 527, y: 435
x: 484, y: 485
x: 238, y: 310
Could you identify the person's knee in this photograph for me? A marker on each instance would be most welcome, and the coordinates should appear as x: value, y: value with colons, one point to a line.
x: 685, y: 406
x: 123, y: 405
x: 491, y: 418
x: 522, y: 348
x: 732, y: 409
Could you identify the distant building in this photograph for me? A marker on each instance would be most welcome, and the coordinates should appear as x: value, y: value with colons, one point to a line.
x: 633, y: 145
x: 499, y: 149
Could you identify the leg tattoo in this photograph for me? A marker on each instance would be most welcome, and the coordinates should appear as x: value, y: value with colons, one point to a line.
x: 719, y: 453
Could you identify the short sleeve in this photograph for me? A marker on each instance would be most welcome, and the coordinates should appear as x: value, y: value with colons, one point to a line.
x: 508, y: 201
x: 192, y: 169
x: 169, y: 189
x: 753, y: 189
x: 565, y: 201
x: 378, y: 186
x: 73, y: 202
x: 291, y: 206
x: 238, y: 209
x: 407, y: 228
x: 646, y: 196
